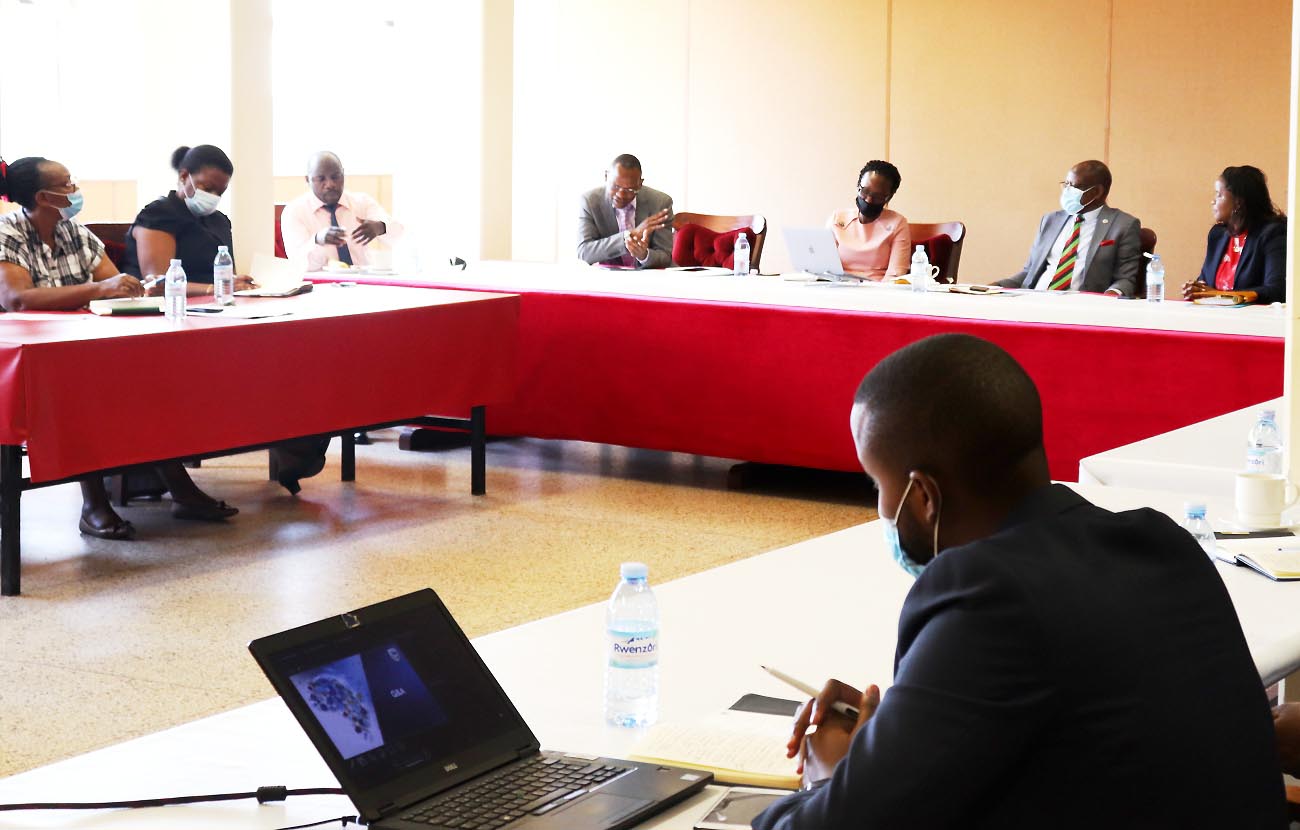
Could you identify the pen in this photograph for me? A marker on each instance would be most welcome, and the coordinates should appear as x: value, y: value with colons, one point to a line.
x: 151, y: 282
x: 839, y: 706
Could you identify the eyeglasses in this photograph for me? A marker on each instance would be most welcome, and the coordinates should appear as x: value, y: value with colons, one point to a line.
x: 70, y: 185
x: 1064, y: 185
x: 626, y: 191
x: 873, y: 198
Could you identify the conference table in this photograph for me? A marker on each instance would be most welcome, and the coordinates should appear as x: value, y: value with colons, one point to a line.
x: 84, y: 393
x: 763, y: 368
x: 717, y: 627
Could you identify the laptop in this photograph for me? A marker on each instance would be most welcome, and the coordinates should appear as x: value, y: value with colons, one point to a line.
x: 813, y: 251
x: 420, y: 734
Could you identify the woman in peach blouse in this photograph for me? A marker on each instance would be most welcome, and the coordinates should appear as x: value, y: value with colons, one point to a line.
x: 874, y: 242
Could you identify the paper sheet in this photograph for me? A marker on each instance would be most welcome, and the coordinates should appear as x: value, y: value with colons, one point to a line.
x: 275, y: 277
x: 737, y: 747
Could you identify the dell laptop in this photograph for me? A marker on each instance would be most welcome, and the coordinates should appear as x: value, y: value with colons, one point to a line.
x: 420, y: 734
x: 813, y: 251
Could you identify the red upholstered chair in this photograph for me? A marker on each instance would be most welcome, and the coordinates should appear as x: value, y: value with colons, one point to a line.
x: 1148, y: 243
x: 713, y: 238
x: 113, y: 235
x: 942, y: 241
x: 279, y: 237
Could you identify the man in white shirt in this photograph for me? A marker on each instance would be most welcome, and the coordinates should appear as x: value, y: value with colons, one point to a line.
x: 1087, y: 245
x: 330, y: 223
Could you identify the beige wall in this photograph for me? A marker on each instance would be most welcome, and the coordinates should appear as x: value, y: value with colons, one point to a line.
x: 983, y: 104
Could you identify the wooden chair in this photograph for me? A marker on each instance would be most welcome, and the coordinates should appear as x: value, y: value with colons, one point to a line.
x: 1148, y: 245
x: 956, y: 231
x: 113, y: 235
x: 721, y: 224
x: 279, y: 237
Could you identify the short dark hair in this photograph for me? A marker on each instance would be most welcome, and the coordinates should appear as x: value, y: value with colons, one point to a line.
x: 627, y: 160
x: 195, y: 159
x: 1099, y: 171
x: 1250, y: 185
x: 23, y: 179
x: 953, y: 403
x: 882, y: 168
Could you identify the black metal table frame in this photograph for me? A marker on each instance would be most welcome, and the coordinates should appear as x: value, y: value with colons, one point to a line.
x: 13, y: 484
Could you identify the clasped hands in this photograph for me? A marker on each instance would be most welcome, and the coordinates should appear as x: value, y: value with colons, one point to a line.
x: 365, y: 233
x: 1196, y: 289
x: 638, y: 238
x: 820, y: 750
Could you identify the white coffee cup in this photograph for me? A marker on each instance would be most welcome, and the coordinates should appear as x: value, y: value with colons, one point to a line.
x: 1261, y: 498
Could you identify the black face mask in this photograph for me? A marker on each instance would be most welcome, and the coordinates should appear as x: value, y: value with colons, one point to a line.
x: 870, y: 211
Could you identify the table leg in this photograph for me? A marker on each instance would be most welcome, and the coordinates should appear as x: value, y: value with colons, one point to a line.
x: 349, y: 440
x: 478, y: 450
x: 11, y: 491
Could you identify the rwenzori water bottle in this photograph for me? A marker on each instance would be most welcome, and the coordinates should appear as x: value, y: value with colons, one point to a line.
x: 740, y: 256
x: 174, y: 286
x: 632, y: 665
x: 1155, y: 280
x: 223, y: 278
x: 1264, y: 445
x: 919, y: 276
x: 1197, y: 525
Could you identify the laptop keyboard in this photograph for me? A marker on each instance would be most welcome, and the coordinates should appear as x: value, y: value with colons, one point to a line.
x: 534, y: 787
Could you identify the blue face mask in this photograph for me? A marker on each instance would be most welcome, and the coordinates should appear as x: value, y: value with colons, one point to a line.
x: 1072, y: 200
x: 895, y: 546
x: 75, y: 202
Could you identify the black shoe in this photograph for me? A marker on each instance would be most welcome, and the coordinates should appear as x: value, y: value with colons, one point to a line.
x: 361, y: 438
x: 290, y: 484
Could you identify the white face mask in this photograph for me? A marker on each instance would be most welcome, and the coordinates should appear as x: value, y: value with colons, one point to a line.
x: 202, y: 203
x: 890, y: 529
x: 1072, y: 200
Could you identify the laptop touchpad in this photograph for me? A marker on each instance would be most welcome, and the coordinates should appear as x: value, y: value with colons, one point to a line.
x: 599, y: 810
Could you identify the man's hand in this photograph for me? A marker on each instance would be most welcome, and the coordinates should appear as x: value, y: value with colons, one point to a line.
x: 638, y: 245
x: 122, y: 285
x: 651, y: 224
x: 331, y: 236
x: 368, y: 231
x: 824, y: 748
x: 243, y: 282
x: 1286, y: 724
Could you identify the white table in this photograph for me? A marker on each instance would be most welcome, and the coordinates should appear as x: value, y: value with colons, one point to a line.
x: 1199, y: 460
x: 717, y: 626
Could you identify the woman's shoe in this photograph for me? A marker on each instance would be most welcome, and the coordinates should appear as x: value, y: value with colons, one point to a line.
x: 120, y: 531
x: 211, y: 511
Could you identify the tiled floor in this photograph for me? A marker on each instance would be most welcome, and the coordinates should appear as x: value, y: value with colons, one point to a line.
x: 111, y: 640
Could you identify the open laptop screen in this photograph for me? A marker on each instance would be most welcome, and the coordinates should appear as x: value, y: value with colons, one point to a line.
x: 393, y: 691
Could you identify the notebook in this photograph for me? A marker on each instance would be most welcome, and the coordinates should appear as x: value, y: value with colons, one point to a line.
x: 420, y: 734
x: 1277, y: 559
x: 275, y: 277
x: 127, y: 306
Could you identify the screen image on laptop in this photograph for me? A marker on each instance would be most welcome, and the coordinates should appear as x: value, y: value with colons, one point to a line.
x: 398, y: 696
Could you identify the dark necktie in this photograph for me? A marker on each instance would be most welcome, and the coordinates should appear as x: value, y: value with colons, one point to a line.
x: 345, y: 256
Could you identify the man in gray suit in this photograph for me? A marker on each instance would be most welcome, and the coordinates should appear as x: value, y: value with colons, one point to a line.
x: 625, y: 223
x: 1087, y: 245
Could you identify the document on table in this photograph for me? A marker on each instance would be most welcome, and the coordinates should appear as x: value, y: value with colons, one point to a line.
x: 275, y: 277
x: 741, y: 748
x: 1278, y: 558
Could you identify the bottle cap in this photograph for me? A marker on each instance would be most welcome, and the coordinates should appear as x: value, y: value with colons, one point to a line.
x: 1268, y: 414
x: 223, y: 249
x: 1194, y: 510
x: 175, y: 262
x: 633, y: 570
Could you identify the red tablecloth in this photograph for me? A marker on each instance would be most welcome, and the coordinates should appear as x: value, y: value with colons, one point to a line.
x: 775, y: 384
x: 88, y: 393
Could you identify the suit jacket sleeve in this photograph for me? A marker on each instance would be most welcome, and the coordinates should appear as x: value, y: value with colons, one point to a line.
x: 661, y: 241
x: 1021, y: 279
x: 970, y: 692
x: 1128, y: 258
x: 592, y: 247
x: 1273, y: 251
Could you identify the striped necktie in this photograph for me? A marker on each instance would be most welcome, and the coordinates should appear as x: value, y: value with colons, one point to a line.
x: 1069, y: 256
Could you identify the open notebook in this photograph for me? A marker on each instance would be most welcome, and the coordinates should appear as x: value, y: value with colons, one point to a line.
x: 1277, y: 559
x: 741, y: 748
x: 275, y: 277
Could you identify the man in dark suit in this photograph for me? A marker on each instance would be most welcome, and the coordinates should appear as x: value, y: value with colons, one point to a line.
x: 624, y: 223
x: 1058, y: 665
x: 1086, y: 245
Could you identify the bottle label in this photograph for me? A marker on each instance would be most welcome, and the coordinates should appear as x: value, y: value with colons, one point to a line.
x: 633, y: 649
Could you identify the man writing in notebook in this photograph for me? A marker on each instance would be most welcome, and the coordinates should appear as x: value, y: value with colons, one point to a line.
x: 1057, y: 664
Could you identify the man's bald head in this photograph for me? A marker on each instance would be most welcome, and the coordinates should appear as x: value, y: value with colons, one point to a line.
x: 325, y: 176
x: 954, y: 406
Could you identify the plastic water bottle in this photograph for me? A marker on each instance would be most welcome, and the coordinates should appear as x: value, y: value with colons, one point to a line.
x: 174, y: 285
x: 920, y: 274
x: 740, y: 256
x: 1155, y: 280
x: 1197, y: 525
x: 632, y: 668
x: 1264, y: 445
x: 223, y: 278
